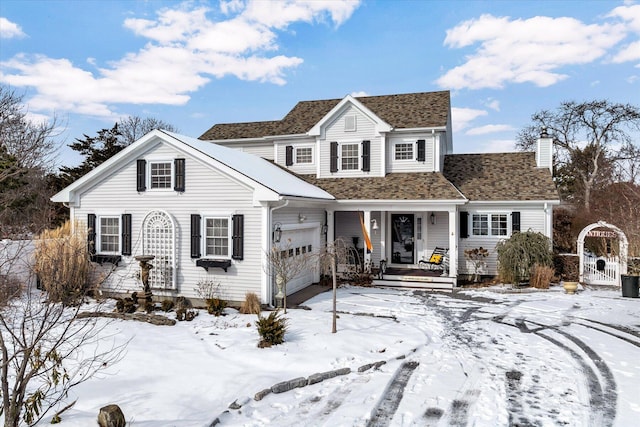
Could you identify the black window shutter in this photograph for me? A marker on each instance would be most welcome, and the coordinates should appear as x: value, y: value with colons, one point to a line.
x: 238, y: 237
x: 464, y: 225
x: 195, y: 236
x: 366, y: 156
x: 334, y: 157
x: 515, y: 222
x: 421, y: 151
x: 126, y: 234
x: 289, y: 155
x: 91, y: 233
x: 178, y: 166
x: 141, y: 175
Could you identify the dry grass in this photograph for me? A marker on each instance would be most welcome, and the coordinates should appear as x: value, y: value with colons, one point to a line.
x: 541, y: 276
x: 251, y: 304
x: 62, y: 263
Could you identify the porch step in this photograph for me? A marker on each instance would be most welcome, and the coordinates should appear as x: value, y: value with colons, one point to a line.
x: 414, y: 284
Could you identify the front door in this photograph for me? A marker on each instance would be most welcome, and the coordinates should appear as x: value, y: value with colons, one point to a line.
x: 403, y: 241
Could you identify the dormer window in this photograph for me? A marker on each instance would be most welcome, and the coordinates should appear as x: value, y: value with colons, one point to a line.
x: 350, y: 123
x: 404, y: 151
x: 304, y: 155
x: 350, y: 158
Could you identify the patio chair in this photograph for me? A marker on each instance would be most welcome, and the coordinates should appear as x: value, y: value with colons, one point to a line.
x: 436, y: 261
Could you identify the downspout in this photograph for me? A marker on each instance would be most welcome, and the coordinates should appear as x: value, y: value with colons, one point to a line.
x: 271, y: 210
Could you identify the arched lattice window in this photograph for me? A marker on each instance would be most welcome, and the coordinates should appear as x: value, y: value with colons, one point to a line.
x: 158, y: 239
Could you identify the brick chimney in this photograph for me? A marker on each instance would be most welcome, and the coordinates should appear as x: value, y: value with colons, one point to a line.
x: 544, y: 150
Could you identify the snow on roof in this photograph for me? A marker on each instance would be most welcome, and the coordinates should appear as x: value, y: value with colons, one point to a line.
x: 255, y: 168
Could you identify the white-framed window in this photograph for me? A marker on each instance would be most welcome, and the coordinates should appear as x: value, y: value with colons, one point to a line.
x: 108, y: 235
x: 404, y: 151
x: 304, y: 155
x: 350, y: 156
x: 217, y: 237
x: 493, y: 224
x: 350, y: 123
x: 160, y: 175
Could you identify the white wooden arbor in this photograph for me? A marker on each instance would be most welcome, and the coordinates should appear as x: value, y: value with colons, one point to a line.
x: 614, y: 266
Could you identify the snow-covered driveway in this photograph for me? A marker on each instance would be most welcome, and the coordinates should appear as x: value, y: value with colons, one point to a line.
x: 406, y: 358
x: 487, y: 359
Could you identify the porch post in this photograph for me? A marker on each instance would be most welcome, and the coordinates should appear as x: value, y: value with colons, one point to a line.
x: 383, y: 235
x: 453, y: 243
x: 367, y: 226
x: 331, y: 232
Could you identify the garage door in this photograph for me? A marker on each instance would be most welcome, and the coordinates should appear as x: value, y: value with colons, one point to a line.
x: 300, y: 244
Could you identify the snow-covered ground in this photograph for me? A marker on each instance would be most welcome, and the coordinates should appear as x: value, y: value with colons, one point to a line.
x: 476, y: 358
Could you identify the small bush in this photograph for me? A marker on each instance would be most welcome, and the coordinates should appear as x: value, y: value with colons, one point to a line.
x: 541, y: 276
x: 251, y: 304
x: 166, y: 305
x: 125, y: 305
x: 216, y: 306
x: 149, y: 307
x: 183, y: 314
x: 271, y: 329
x: 518, y: 255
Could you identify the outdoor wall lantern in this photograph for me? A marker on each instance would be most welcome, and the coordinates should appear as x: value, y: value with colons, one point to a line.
x: 374, y: 225
x: 433, y: 218
x: 302, y: 218
x: 277, y: 232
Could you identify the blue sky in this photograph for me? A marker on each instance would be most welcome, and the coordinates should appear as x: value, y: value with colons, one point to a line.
x: 198, y: 63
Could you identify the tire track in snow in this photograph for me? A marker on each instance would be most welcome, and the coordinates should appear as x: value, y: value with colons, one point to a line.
x: 390, y: 400
x: 602, y: 396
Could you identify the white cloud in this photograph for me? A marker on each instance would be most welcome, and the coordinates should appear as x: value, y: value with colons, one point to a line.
x: 10, y: 30
x: 493, y: 104
x: 486, y: 129
x: 461, y: 117
x: 530, y: 50
x: 185, y: 50
x: 494, y: 146
x: 359, y: 93
x: 632, y: 79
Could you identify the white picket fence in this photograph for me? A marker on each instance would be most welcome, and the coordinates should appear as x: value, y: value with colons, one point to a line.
x: 607, y: 274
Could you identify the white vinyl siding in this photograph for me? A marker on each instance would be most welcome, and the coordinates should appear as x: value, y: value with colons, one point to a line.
x: 335, y: 131
x: 108, y: 235
x: 402, y: 152
x: 532, y: 217
x: 208, y: 191
x: 260, y: 149
x: 301, y: 168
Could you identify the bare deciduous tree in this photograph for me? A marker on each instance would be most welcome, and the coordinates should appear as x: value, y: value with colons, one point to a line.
x: 26, y: 153
x: 133, y: 128
x: 593, y: 141
x: 285, y: 263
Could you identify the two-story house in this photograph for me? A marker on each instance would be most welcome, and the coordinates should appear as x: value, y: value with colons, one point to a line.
x: 214, y: 207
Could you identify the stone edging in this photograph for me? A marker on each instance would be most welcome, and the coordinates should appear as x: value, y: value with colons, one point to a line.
x: 285, y: 386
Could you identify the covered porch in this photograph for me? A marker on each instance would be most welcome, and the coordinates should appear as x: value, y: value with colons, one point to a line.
x: 403, y: 239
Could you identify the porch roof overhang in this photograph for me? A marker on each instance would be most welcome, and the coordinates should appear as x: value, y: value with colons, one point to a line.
x: 421, y: 187
x: 398, y: 205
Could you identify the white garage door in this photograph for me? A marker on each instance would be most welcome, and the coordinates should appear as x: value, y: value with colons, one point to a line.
x: 300, y: 243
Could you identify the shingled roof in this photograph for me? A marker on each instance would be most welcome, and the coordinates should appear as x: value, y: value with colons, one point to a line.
x: 394, y: 186
x: 499, y: 177
x: 410, y: 110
